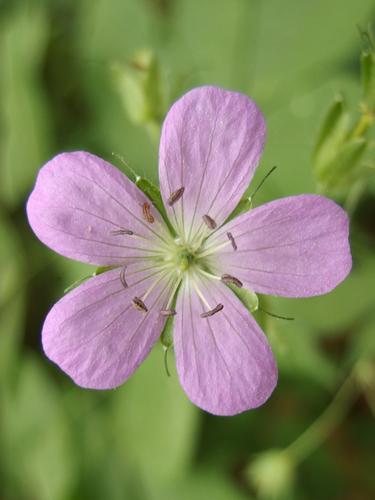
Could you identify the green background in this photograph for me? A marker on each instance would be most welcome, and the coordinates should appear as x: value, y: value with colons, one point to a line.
x: 68, y: 81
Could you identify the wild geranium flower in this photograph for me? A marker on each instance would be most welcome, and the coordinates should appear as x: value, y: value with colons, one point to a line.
x: 85, y: 209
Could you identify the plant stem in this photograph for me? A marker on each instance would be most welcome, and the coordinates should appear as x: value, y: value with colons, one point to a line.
x: 319, y: 430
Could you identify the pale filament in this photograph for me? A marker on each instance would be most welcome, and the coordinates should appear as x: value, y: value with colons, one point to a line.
x: 156, y: 282
x: 211, y: 249
x: 208, y: 275
x: 173, y: 293
x: 159, y: 247
x: 159, y: 268
x: 200, y: 294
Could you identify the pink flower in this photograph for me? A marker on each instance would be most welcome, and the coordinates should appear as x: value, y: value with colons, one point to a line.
x: 85, y: 209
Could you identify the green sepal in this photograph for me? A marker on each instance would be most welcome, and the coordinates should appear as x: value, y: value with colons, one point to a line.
x: 98, y: 270
x: 166, y: 339
x: 248, y: 298
x: 103, y: 269
x: 244, y: 205
x: 77, y: 283
x: 128, y: 170
x: 368, y: 80
x: 153, y: 193
x: 149, y: 189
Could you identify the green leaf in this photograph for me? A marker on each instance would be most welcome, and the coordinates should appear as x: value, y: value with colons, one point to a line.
x: 247, y: 297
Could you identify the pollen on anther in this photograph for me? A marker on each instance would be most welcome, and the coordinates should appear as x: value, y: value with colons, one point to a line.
x: 209, y: 221
x: 175, y: 196
x: 232, y: 240
x: 168, y: 312
x: 213, y: 311
x: 122, y: 277
x: 229, y: 279
x: 121, y: 231
x: 139, y: 304
x: 146, y: 209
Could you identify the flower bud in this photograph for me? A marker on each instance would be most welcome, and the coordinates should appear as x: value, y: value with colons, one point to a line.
x: 272, y: 474
x: 139, y: 84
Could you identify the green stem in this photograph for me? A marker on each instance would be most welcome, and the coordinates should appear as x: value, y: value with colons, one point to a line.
x: 319, y: 430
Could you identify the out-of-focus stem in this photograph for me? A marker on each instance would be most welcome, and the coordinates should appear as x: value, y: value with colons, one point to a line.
x: 364, y: 123
x: 319, y: 430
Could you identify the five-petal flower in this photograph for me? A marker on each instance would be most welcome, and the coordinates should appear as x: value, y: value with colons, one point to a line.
x: 85, y: 209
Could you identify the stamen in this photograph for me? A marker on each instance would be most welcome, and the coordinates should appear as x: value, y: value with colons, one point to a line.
x: 213, y: 311
x: 229, y: 279
x: 209, y: 275
x: 168, y: 312
x: 122, y: 277
x: 147, y: 213
x: 171, y: 297
x: 175, y: 196
x: 121, y: 231
x: 230, y: 237
x: 156, y: 282
x: 139, y: 304
x: 200, y: 294
x: 210, y: 223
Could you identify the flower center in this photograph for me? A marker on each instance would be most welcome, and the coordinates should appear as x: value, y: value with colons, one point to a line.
x: 172, y: 261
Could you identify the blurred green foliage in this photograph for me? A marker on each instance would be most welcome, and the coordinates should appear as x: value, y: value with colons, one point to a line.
x: 99, y: 76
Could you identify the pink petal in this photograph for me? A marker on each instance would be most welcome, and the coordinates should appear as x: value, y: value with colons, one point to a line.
x: 211, y: 143
x: 77, y: 203
x: 97, y: 336
x: 224, y: 362
x: 293, y: 247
